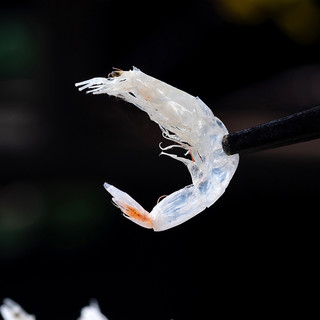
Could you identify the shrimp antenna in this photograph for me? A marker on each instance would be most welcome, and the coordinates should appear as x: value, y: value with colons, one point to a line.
x: 298, y: 127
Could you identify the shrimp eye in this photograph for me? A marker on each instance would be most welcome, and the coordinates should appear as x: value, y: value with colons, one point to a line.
x: 115, y: 73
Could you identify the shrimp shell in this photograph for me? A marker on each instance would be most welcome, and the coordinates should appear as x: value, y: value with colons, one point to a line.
x: 191, y: 125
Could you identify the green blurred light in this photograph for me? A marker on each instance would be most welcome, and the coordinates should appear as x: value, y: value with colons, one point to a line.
x: 18, y: 48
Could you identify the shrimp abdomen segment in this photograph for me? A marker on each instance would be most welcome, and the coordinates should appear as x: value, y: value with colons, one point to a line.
x: 177, y: 208
x: 130, y: 208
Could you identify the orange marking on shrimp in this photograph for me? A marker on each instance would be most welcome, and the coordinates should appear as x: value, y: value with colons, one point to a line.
x: 135, y: 214
x: 191, y: 155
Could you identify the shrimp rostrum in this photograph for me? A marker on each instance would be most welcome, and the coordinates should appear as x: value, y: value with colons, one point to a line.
x: 191, y: 125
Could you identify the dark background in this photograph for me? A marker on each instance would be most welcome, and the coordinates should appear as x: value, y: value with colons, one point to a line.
x: 253, y: 254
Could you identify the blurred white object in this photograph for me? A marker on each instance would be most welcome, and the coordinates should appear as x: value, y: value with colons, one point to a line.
x: 92, y: 312
x: 10, y: 310
x: 191, y: 125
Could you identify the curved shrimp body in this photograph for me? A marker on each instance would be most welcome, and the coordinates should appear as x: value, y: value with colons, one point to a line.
x: 191, y: 125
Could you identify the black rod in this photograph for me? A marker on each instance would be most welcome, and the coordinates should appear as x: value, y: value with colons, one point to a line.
x: 298, y: 127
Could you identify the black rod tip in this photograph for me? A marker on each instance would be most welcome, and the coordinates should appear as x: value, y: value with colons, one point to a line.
x: 298, y: 127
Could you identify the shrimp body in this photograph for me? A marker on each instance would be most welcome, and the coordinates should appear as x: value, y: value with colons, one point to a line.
x: 191, y: 125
